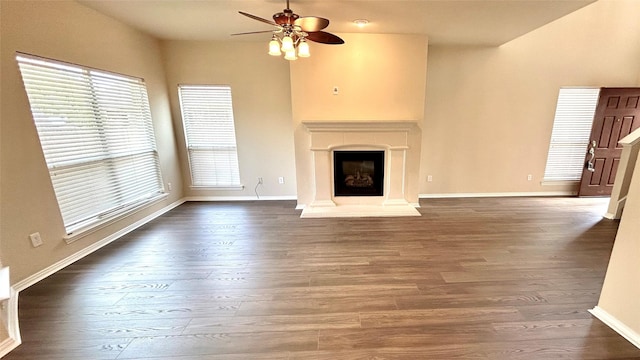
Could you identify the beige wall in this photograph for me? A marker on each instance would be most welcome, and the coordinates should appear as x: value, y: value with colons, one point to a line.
x: 489, y: 111
x: 379, y: 77
x: 262, y: 109
x: 621, y: 290
x: 66, y: 31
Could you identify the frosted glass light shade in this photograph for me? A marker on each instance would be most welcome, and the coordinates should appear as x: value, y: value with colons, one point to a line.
x: 274, y: 48
x: 287, y: 44
x: 303, y: 49
x: 290, y: 55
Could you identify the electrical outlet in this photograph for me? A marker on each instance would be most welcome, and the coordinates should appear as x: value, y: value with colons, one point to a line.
x: 429, y: 178
x: 529, y: 177
x: 169, y: 186
x: 281, y: 180
x: 260, y: 180
x: 36, y: 240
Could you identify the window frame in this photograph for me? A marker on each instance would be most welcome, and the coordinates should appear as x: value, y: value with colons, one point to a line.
x: 214, y: 103
x: 106, y: 115
x: 572, y: 126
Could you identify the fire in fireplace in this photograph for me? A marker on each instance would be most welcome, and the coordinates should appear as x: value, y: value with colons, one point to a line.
x: 358, y: 173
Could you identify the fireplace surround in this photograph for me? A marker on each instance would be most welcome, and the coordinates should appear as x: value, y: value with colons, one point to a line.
x: 398, y: 141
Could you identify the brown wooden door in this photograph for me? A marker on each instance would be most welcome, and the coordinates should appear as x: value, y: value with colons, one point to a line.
x: 617, y: 114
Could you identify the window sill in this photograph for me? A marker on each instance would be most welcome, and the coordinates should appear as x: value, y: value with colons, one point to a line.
x: 559, y: 182
x: 219, y: 188
x: 98, y: 224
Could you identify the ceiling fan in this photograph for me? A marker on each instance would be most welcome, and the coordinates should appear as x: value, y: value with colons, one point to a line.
x: 292, y: 31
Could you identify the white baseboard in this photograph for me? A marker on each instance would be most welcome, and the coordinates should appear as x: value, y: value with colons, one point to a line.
x: 44, y: 273
x: 240, y: 198
x: 13, y: 328
x: 501, y: 194
x: 616, y: 325
x: 7, y: 346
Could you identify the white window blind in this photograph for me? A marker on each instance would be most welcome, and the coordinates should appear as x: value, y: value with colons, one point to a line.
x: 207, y: 115
x: 97, y: 136
x: 570, y: 134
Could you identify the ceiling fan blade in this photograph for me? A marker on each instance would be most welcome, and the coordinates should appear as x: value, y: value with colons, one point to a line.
x: 252, y: 32
x: 258, y: 18
x: 311, y: 23
x: 324, y: 38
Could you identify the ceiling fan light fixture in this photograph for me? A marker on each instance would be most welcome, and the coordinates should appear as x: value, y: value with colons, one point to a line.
x: 303, y: 49
x: 292, y: 32
x: 274, y: 46
x: 287, y: 44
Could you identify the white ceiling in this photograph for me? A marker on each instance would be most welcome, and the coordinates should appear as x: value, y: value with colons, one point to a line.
x: 468, y: 22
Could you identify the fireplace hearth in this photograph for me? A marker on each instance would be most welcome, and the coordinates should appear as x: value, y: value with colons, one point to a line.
x: 358, y: 173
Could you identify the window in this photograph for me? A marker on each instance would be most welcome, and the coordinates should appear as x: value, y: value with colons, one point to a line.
x: 97, y: 138
x: 207, y: 114
x: 570, y: 134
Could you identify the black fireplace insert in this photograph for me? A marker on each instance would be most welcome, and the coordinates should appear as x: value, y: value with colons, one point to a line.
x: 358, y: 173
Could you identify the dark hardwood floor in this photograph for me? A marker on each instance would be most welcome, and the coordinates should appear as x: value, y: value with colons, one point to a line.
x: 492, y: 278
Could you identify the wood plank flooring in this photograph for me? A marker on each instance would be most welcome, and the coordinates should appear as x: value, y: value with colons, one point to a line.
x: 492, y: 278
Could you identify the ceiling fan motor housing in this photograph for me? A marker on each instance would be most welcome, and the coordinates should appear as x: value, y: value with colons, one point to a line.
x: 286, y: 17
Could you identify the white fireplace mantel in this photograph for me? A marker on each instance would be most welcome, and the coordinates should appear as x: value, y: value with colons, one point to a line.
x: 360, y: 125
x: 390, y: 136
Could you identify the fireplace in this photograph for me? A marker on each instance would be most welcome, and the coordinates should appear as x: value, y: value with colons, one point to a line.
x: 358, y: 173
x: 360, y: 168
